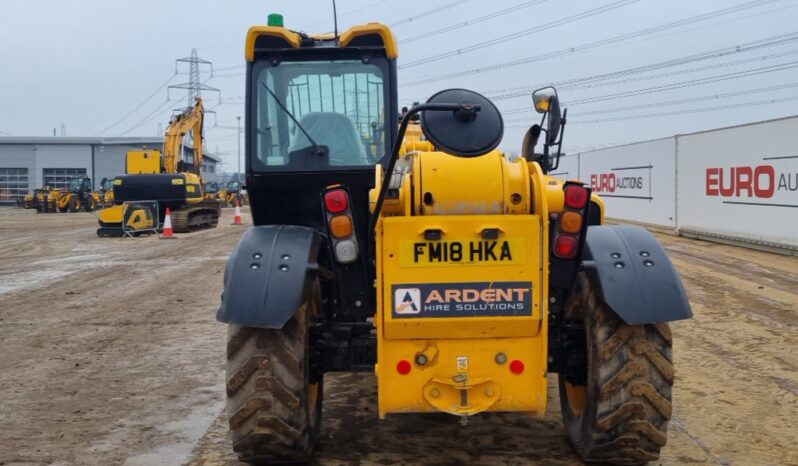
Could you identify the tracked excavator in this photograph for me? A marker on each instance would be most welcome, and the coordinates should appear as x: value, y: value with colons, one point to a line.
x: 165, y: 178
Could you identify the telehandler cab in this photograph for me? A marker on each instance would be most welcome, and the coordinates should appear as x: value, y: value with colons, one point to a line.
x: 459, y: 277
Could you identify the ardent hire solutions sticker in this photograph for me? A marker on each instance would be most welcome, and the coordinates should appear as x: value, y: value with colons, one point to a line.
x: 462, y: 299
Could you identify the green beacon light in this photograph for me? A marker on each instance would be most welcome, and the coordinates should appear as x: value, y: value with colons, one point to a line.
x: 275, y: 20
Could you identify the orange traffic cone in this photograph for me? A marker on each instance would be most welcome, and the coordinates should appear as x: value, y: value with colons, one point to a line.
x: 237, y: 216
x: 167, y: 225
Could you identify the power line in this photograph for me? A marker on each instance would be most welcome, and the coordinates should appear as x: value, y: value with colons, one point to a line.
x: 668, y: 103
x: 150, y: 116
x: 595, y: 44
x: 689, y: 83
x: 158, y: 87
x: 754, y: 103
x: 471, y: 21
x: 582, y: 82
x: 427, y: 13
x: 522, y: 33
x: 661, y: 75
x: 343, y: 14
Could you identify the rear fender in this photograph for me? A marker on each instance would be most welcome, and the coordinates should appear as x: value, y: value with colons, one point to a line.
x: 637, y: 279
x: 268, y: 275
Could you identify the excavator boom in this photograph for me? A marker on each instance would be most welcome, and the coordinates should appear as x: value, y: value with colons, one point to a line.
x: 190, y: 120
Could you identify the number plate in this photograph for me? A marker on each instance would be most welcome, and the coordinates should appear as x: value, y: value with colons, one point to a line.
x: 511, y: 251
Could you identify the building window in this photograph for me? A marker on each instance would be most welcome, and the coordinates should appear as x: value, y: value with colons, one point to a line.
x: 58, y: 178
x: 13, y: 184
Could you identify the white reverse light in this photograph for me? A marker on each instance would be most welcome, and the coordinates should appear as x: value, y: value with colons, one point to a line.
x: 346, y: 251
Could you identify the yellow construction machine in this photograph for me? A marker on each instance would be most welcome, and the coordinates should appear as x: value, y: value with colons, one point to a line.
x: 232, y: 193
x: 44, y: 200
x: 461, y: 278
x: 29, y: 199
x: 105, y: 195
x: 211, y: 190
x: 77, y: 196
x: 153, y: 176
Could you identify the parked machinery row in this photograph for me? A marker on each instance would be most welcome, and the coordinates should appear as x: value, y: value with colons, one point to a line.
x: 77, y: 196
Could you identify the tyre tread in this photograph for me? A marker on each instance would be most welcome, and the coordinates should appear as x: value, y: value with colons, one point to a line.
x: 633, y: 380
x: 267, y: 393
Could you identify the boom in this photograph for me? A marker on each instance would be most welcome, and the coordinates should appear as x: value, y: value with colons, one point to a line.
x: 190, y: 120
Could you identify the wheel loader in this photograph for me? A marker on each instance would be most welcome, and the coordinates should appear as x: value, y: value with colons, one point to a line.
x: 77, y: 196
x: 44, y: 200
x: 461, y: 278
x: 232, y: 193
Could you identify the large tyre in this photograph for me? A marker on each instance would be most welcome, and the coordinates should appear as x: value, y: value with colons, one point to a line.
x: 274, y: 408
x: 74, y: 204
x: 89, y: 205
x: 620, y: 415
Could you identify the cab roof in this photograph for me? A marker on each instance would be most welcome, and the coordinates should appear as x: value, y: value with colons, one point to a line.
x: 371, y: 35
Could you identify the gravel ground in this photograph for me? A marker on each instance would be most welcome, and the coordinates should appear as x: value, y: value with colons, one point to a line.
x: 111, y: 355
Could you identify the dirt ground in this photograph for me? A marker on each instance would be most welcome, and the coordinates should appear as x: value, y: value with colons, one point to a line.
x: 110, y: 354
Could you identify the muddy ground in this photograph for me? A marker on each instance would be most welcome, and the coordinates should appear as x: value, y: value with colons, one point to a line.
x: 110, y: 354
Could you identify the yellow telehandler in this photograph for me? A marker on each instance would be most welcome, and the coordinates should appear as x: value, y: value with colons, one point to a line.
x: 462, y: 279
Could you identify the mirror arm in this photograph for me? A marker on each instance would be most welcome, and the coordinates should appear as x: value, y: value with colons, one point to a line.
x: 562, y: 135
x: 460, y: 110
x: 546, y: 134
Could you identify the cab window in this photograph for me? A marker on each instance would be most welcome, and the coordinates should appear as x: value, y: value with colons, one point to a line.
x: 334, y: 103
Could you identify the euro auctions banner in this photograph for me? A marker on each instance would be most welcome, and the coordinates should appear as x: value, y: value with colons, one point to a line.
x: 635, y: 181
x: 741, y: 182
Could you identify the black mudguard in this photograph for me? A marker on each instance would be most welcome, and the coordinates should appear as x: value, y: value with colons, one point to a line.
x: 637, y: 279
x: 269, y: 275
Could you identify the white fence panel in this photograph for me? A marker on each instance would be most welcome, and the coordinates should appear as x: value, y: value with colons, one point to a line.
x: 568, y: 168
x: 741, y: 182
x: 635, y: 181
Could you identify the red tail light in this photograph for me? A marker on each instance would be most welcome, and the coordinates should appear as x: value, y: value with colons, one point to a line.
x: 517, y: 367
x: 566, y: 246
x: 403, y: 367
x: 336, y: 201
x: 576, y: 196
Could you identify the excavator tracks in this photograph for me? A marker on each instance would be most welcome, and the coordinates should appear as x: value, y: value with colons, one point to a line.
x: 203, y: 215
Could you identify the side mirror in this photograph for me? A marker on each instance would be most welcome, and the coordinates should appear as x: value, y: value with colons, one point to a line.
x: 473, y: 128
x: 546, y: 101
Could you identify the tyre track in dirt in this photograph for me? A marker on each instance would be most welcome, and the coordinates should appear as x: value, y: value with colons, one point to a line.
x: 99, y: 370
x: 113, y: 362
x: 734, y: 398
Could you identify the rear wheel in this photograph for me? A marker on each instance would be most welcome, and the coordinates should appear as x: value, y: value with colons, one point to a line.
x: 74, y: 204
x: 618, y: 413
x: 90, y: 204
x: 274, y: 407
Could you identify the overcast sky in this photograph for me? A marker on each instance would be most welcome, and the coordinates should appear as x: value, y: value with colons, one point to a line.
x: 92, y: 63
